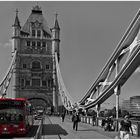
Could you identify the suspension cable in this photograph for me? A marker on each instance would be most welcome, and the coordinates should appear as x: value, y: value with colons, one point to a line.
x: 4, y: 84
x: 65, y: 96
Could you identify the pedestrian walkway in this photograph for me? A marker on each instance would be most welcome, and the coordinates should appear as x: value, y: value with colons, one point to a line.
x: 64, y: 130
x: 110, y: 134
x: 56, y: 129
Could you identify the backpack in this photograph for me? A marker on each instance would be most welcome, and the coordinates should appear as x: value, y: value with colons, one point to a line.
x: 75, y: 118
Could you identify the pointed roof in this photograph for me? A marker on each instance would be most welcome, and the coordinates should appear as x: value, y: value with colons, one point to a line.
x: 36, y: 16
x: 56, y: 25
x: 16, y: 23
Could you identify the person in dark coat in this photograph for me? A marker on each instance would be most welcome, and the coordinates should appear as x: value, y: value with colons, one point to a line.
x: 125, y: 128
x: 75, y: 119
x: 63, y: 116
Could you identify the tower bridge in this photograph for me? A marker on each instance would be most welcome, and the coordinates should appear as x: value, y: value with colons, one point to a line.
x: 35, y: 66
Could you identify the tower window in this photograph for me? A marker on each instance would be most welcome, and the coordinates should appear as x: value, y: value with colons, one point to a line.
x: 35, y: 82
x: 44, y: 34
x: 33, y: 33
x: 28, y: 43
x: 44, y: 83
x: 47, y: 67
x: 43, y: 44
x: 49, y: 83
x: 33, y: 43
x: 22, y: 82
x: 24, y: 66
x: 36, y: 65
x: 27, y: 83
x: 38, y: 33
x: 38, y: 43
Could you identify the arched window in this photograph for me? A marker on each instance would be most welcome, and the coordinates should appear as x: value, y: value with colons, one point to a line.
x: 33, y: 33
x: 38, y: 33
x: 36, y: 65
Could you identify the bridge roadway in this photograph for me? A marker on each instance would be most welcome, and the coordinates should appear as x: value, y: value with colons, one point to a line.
x: 54, y: 128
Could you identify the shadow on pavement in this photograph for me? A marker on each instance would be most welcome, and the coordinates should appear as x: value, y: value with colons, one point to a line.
x: 53, y: 129
x: 32, y: 131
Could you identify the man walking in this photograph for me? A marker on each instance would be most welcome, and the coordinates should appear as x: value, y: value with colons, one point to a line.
x: 75, y: 119
x: 63, y: 116
x: 125, y: 128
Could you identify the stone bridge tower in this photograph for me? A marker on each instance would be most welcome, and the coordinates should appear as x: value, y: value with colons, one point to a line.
x: 34, y: 73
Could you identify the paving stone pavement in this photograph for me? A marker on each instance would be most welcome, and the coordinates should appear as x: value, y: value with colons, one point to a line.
x: 54, y: 128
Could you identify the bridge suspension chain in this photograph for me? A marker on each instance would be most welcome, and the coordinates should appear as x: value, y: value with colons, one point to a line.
x: 65, y: 96
x: 4, y: 84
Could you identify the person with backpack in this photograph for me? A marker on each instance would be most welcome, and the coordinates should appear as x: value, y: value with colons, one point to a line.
x: 125, y: 128
x: 75, y: 119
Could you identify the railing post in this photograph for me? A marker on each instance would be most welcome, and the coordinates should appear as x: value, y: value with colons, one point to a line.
x: 138, y: 129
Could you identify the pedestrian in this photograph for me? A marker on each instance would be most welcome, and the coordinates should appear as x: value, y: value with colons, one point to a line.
x: 75, y: 119
x: 93, y: 119
x: 111, y: 123
x: 63, y: 116
x: 125, y: 128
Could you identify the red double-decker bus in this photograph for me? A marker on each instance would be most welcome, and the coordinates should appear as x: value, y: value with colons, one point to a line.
x: 14, y: 116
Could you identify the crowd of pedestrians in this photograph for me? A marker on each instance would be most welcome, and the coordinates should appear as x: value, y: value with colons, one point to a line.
x: 108, y: 124
x: 125, y: 127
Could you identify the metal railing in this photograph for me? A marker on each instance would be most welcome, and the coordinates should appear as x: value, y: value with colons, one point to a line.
x: 98, y: 122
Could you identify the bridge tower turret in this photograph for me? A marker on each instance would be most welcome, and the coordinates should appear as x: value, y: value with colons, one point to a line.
x: 16, y: 43
x: 56, y: 38
x: 55, y: 49
x: 16, y: 32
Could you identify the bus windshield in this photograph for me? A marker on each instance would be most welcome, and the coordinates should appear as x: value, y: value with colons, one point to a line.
x: 11, y: 111
x: 11, y: 115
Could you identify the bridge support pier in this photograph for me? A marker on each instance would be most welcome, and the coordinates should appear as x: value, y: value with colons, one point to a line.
x: 117, y: 93
x: 97, y: 110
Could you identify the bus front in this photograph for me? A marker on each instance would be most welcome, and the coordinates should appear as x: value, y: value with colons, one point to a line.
x: 12, y: 116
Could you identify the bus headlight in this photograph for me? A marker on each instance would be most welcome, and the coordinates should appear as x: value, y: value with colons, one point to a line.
x: 21, y: 129
x: 5, y: 129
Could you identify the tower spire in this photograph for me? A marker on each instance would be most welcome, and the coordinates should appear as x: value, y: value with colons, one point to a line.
x: 16, y: 23
x: 17, y: 12
x: 56, y: 15
x: 56, y: 25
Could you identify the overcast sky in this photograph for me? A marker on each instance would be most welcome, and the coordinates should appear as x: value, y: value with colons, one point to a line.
x: 90, y: 31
